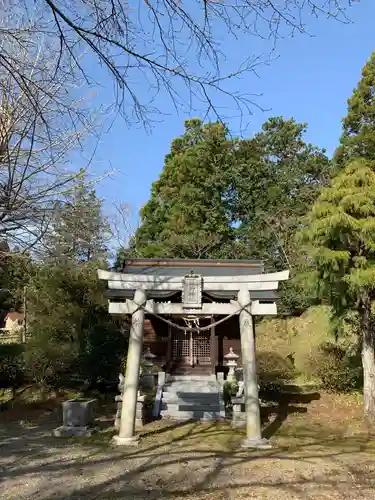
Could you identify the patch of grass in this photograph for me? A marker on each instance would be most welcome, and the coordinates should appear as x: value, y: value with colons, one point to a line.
x: 6, y: 395
x: 320, y: 450
x: 334, y: 421
x: 100, y: 438
x: 213, y: 436
x: 296, y: 336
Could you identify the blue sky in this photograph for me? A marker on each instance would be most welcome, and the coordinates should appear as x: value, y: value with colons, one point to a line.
x: 311, y: 81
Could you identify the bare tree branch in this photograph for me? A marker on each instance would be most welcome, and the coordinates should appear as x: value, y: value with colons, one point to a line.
x: 175, y: 47
x: 42, y: 121
x: 122, y: 225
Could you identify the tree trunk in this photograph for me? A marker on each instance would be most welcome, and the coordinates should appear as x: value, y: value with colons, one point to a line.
x: 368, y: 364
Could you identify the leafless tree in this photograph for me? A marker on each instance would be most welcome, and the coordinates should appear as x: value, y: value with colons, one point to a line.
x: 122, y: 224
x: 42, y: 121
x: 174, y: 46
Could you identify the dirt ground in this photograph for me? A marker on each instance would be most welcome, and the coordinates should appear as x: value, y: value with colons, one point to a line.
x: 320, y: 452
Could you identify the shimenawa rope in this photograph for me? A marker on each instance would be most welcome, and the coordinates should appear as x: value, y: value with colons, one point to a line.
x: 191, y: 329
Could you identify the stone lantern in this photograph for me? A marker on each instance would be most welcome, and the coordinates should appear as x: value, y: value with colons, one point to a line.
x: 231, y: 359
x: 147, y: 377
x: 148, y: 361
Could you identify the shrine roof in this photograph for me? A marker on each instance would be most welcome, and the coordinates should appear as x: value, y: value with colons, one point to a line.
x: 205, y: 267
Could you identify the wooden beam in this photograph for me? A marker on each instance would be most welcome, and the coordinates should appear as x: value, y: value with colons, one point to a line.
x: 261, y: 309
x: 262, y: 295
x: 113, y: 277
x: 207, y: 287
x: 155, y: 263
x: 169, y: 348
x: 161, y: 308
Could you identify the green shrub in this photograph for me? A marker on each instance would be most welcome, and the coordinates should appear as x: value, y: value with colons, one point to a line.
x: 229, y: 390
x: 149, y: 401
x: 48, y: 362
x: 12, y: 368
x: 102, y: 355
x: 338, y: 369
x: 274, y: 369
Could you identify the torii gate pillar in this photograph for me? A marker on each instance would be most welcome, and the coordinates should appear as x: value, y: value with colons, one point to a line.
x: 252, y: 406
x: 127, y: 434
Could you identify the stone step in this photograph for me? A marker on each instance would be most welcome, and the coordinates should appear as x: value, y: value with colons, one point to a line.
x: 199, y: 397
x: 183, y: 391
x: 192, y: 386
x: 192, y: 378
x: 175, y: 407
x: 196, y: 371
x: 192, y: 397
x: 192, y: 415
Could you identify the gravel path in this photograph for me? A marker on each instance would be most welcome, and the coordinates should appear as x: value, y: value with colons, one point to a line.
x: 191, y: 461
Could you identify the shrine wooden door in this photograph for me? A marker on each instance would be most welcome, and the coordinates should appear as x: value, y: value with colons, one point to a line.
x: 192, y: 348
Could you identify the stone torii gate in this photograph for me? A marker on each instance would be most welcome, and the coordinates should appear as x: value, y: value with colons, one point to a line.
x: 144, y: 288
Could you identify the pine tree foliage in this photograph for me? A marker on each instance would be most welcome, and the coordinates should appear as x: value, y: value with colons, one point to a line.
x: 71, y: 330
x: 215, y: 192
x: 342, y: 234
x: 275, y: 186
x: 15, y: 271
x: 224, y: 197
x: 186, y: 215
x: 81, y: 232
x: 358, y: 136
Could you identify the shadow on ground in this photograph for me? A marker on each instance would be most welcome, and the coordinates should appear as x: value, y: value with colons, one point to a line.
x: 191, y: 461
x: 280, y: 403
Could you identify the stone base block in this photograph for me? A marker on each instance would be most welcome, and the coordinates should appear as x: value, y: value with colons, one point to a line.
x: 140, y: 415
x: 70, y: 431
x: 79, y: 412
x: 121, y: 441
x: 161, y: 379
x: 257, y: 444
x: 238, y: 424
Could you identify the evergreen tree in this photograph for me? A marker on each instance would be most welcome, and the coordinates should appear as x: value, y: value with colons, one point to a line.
x: 71, y: 330
x: 358, y: 136
x: 186, y: 215
x: 342, y: 234
x: 277, y: 178
x: 16, y: 270
x: 80, y: 231
x: 214, y: 194
x: 230, y: 198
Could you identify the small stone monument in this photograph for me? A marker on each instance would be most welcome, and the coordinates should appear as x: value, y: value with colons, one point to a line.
x: 238, y: 411
x: 140, y: 416
x: 238, y: 406
x: 220, y: 380
x: 78, y: 418
x: 121, y: 383
x: 149, y: 357
x: 118, y: 399
x: 231, y: 358
x: 140, y: 409
x: 240, y: 391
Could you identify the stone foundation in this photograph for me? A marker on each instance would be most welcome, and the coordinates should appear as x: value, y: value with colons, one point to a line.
x: 66, y: 431
x: 238, y: 412
x: 78, y: 418
x: 140, y: 414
